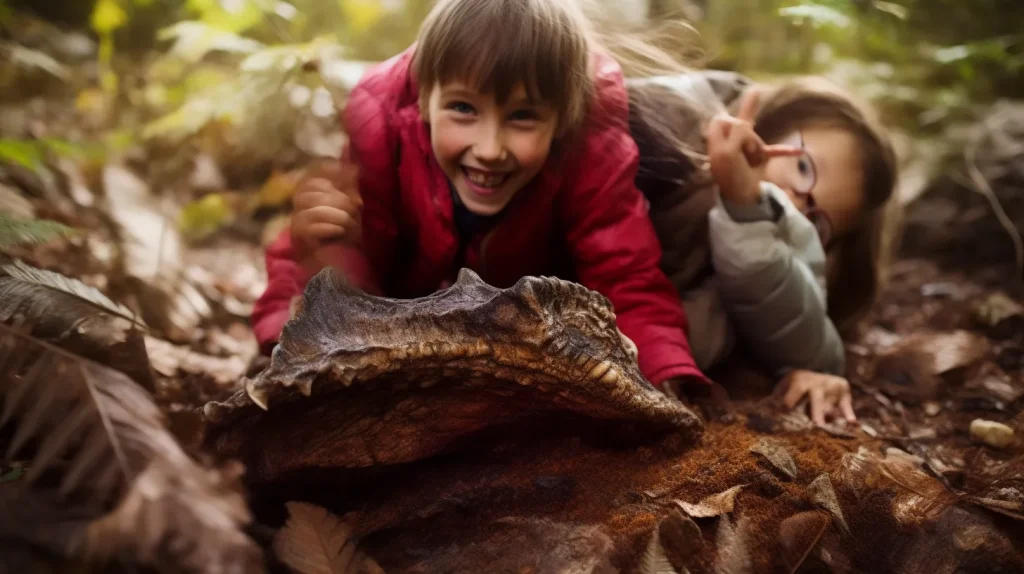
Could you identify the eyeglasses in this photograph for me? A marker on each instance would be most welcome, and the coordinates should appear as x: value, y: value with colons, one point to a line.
x: 802, y: 185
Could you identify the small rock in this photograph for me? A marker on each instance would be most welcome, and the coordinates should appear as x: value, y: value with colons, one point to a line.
x: 996, y: 435
x: 932, y: 409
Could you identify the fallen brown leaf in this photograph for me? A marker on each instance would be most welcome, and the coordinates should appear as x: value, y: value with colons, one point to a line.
x: 733, y: 548
x: 314, y: 541
x: 777, y: 455
x: 799, y: 535
x: 714, y: 505
x: 654, y: 560
x: 100, y: 434
x: 824, y: 496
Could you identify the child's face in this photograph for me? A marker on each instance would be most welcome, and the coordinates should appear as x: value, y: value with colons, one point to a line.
x: 827, y: 182
x: 488, y: 151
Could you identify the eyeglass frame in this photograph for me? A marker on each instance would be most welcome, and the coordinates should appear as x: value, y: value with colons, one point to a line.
x: 818, y: 217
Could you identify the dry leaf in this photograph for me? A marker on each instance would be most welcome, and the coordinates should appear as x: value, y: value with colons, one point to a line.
x: 777, y: 455
x: 314, y: 541
x: 102, y: 436
x: 13, y: 203
x: 997, y: 308
x: 948, y: 351
x: 152, y: 250
x: 733, y: 554
x: 824, y: 496
x: 654, y: 560
x: 799, y: 535
x: 23, y: 287
x: 714, y: 505
x: 680, y: 536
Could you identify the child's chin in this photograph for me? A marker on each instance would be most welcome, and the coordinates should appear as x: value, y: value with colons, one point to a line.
x: 485, y: 206
x: 484, y: 209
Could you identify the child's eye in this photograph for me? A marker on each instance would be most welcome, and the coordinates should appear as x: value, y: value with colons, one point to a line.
x: 460, y: 108
x: 523, y: 115
x: 803, y: 165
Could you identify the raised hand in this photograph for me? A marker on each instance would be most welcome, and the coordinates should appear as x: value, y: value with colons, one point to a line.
x: 737, y: 154
x: 327, y: 211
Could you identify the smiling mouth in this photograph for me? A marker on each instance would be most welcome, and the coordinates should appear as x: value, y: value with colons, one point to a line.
x: 483, y: 179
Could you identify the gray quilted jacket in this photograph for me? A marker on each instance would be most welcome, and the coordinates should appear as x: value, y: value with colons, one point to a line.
x: 748, y: 275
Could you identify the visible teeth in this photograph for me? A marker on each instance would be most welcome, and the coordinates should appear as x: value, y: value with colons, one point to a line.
x: 485, y: 180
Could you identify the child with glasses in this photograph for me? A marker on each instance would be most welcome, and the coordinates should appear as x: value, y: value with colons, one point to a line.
x: 790, y: 195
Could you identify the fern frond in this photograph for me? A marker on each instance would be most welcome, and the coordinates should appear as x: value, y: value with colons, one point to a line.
x: 99, y: 438
x: 30, y: 292
x: 16, y: 230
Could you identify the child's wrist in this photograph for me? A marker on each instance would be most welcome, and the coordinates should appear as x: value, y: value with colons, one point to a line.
x: 746, y: 196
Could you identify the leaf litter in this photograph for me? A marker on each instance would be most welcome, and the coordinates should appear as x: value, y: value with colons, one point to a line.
x: 715, y: 505
x: 777, y: 455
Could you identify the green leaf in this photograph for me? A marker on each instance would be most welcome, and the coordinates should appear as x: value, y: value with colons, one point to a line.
x: 360, y: 15
x: 951, y: 54
x: 24, y: 153
x: 193, y: 40
x: 237, y: 16
x: 19, y: 231
x: 817, y: 15
x: 107, y: 16
x: 205, y: 216
x: 891, y: 8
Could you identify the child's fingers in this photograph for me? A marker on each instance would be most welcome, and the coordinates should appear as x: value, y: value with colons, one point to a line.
x: 846, y: 406
x: 793, y: 394
x: 320, y: 192
x: 782, y: 150
x: 818, y: 404
x: 328, y: 214
x: 344, y: 176
x: 748, y: 105
x: 717, y: 130
x: 324, y: 231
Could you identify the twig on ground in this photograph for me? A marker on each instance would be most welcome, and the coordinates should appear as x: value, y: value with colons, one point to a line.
x: 981, y: 185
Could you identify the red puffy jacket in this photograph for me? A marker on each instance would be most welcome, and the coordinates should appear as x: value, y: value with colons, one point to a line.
x: 581, y: 219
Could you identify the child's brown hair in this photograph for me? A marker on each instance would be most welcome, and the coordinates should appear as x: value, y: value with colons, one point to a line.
x: 545, y: 44
x: 858, y: 258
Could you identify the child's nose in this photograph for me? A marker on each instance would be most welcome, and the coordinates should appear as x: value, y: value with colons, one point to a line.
x: 490, y: 147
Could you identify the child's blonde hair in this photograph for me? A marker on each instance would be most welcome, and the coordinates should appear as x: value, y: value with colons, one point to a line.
x: 858, y: 258
x: 544, y: 44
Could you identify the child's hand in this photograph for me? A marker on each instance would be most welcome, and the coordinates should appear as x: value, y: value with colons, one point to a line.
x: 737, y: 154
x: 829, y: 395
x: 327, y: 207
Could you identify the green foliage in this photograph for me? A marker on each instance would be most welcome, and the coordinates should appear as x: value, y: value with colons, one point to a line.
x: 203, y: 217
x: 817, y: 15
x: 918, y: 57
x: 32, y: 154
x: 19, y: 231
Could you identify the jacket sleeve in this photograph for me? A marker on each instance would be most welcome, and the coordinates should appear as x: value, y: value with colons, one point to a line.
x: 285, y: 280
x: 371, y: 146
x: 617, y: 254
x: 770, y: 270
